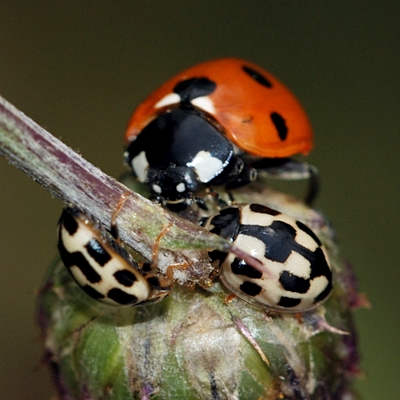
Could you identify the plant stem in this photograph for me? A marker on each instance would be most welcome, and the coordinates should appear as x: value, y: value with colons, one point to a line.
x: 74, y: 180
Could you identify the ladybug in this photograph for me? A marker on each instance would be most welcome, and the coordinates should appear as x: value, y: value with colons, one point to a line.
x: 101, y: 267
x: 218, y: 123
x: 300, y: 277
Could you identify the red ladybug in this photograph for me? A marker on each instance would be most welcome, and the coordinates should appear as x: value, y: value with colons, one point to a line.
x: 218, y: 123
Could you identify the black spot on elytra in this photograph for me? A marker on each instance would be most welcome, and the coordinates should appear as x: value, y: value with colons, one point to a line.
x: 279, y: 240
x: 250, y: 288
x: 294, y: 283
x: 64, y: 253
x: 309, y: 232
x: 191, y: 88
x: 154, y: 282
x: 240, y: 267
x: 92, y: 292
x: 217, y: 255
x: 255, y: 75
x: 125, y: 277
x: 288, y: 302
x: 258, y: 208
x: 68, y: 221
x: 80, y: 261
x: 98, y: 252
x: 121, y: 297
x: 319, y: 265
x: 77, y: 259
x: 280, y: 125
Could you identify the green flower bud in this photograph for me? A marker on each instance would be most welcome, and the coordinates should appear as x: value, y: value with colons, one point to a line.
x: 199, y: 344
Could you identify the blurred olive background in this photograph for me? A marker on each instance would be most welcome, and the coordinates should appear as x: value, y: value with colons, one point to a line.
x: 79, y: 69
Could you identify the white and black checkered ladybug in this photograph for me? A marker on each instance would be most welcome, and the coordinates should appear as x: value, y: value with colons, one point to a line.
x: 103, y: 269
x: 218, y: 123
x: 299, y: 278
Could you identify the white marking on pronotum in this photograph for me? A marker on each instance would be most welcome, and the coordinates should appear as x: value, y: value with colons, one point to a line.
x: 204, y: 103
x: 206, y: 166
x: 140, y: 165
x: 172, y: 98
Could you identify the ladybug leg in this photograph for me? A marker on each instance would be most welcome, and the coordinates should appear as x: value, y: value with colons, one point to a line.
x: 156, y: 246
x: 248, y: 174
x: 201, y: 203
x: 221, y: 203
x: 231, y: 200
x: 113, y: 224
x: 290, y: 169
x: 230, y: 297
x: 313, y: 185
x: 160, y: 285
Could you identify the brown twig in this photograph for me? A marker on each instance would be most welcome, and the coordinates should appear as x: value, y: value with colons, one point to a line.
x: 72, y: 179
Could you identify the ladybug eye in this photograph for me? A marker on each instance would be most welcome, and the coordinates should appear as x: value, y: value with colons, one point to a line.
x: 261, y: 79
x: 191, y: 88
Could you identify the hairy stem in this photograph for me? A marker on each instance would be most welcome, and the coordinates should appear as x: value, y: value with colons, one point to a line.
x: 74, y: 180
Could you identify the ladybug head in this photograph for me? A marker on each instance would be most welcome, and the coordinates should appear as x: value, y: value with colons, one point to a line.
x: 173, y: 183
